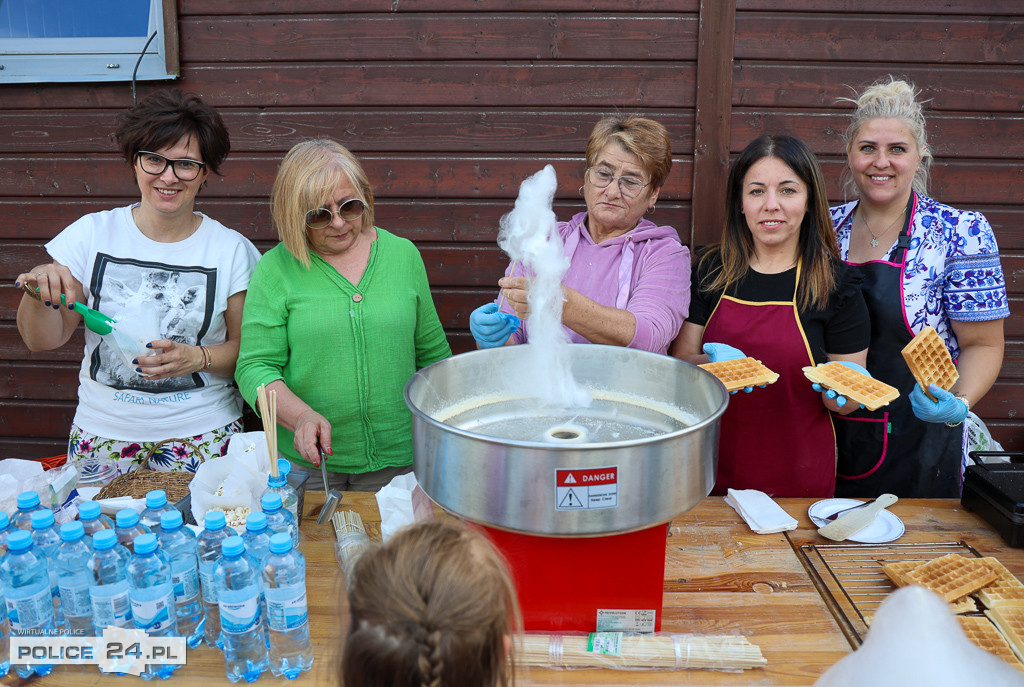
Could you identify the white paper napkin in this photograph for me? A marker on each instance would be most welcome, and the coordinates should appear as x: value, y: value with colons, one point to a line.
x: 763, y: 515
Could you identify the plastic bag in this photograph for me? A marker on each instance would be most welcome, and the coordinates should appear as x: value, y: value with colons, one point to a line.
x: 234, y: 482
x: 978, y: 436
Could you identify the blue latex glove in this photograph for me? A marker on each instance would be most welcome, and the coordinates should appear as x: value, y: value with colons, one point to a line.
x: 945, y: 408
x: 841, y: 400
x: 491, y: 328
x: 717, y: 352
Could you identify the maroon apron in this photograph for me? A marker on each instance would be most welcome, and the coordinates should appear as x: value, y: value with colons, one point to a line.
x: 778, y: 439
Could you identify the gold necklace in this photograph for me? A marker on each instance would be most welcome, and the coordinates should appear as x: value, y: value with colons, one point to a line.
x: 874, y: 239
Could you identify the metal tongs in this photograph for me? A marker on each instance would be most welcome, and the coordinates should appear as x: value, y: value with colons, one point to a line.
x: 331, y: 496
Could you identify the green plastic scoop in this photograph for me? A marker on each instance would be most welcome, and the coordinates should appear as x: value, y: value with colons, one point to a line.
x: 94, y: 319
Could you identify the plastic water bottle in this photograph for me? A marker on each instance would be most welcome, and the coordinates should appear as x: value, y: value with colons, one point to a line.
x: 128, y: 527
x: 208, y: 548
x: 179, y: 544
x: 257, y: 537
x: 241, y: 619
x: 152, y: 595
x: 5, y: 640
x: 284, y: 583
x: 28, y: 501
x: 93, y: 520
x: 278, y: 519
x: 108, y: 582
x: 156, y: 505
x: 279, y: 485
x: 73, y: 578
x: 46, y: 538
x: 26, y: 588
x: 5, y: 531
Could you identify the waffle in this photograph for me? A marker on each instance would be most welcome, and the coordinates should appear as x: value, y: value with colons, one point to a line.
x: 984, y: 634
x: 741, y: 373
x: 929, y: 361
x: 951, y: 576
x: 869, y: 392
x: 1006, y: 590
x: 896, y: 573
x: 1010, y: 621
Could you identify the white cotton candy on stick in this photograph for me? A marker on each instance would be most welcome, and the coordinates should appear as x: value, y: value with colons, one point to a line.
x: 529, y: 234
x: 915, y: 641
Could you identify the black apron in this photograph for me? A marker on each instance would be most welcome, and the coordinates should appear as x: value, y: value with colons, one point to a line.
x: 890, y: 450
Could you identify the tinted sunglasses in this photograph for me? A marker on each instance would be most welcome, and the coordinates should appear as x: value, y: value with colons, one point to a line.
x: 348, y: 211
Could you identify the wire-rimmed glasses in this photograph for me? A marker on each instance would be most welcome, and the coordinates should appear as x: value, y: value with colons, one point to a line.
x: 349, y: 210
x: 630, y: 186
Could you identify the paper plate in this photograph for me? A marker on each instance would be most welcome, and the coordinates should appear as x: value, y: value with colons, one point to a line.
x: 885, y: 528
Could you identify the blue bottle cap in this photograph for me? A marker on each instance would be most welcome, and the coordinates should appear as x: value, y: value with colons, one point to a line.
x: 127, y: 517
x: 281, y: 543
x: 28, y: 499
x: 72, y: 531
x: 271, y: 502
x: 145, y: 543
x: 156, y: 499
x: 88, y: 510
x: 232, y: 546
x: 19, y: 541
x: 101, y: 541
x: 255, y: 522
x: 5, y: 520
x: 283, y: 467
x: 170, y: 520
x: 214, y: 520
x: 41, y: 519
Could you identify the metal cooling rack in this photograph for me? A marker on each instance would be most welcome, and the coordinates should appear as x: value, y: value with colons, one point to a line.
x: 851, y: 580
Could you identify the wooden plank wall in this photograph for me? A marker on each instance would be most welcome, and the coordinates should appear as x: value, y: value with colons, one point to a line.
x: 450, y: 105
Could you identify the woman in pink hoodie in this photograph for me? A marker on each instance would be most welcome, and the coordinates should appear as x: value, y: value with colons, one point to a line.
x: 628, y: 282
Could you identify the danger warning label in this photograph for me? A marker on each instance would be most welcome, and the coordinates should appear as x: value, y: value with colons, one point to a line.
x: 587, y: 489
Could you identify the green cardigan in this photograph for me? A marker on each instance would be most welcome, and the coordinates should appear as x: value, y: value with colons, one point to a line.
x: 346, y: 350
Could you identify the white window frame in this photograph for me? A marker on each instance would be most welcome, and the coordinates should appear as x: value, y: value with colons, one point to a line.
x: 53, y: 60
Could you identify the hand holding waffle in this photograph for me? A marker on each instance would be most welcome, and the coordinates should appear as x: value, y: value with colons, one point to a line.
x: 720, y: 352
x: 945, y: 408
x: 832, y: 393
x: 845, y: 378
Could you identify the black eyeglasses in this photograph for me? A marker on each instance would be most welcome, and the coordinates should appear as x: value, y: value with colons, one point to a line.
x: 349, y: 210
x: 155, y: 164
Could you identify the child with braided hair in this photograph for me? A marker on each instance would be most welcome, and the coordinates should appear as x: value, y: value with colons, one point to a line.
x: 433, y: 607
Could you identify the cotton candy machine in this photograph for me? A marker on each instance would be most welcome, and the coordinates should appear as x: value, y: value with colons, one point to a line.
x: 576, y: 499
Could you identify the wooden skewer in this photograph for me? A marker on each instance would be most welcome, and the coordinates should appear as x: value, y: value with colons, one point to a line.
x: 674, y: 652
x: 267, y: 402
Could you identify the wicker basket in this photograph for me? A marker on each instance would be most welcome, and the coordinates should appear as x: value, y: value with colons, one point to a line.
x: 142, y: 480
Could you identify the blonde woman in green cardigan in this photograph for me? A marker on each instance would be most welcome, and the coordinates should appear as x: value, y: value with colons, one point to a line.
x: 338, y: 317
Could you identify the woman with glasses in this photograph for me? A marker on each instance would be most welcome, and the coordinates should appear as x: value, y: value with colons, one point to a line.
x: 628, y: 282
x: 174, y: 281
x: 339, y: 316
x: 775, y: 290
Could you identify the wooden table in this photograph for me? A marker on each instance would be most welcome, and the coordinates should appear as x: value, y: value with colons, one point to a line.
x: 720, y: 578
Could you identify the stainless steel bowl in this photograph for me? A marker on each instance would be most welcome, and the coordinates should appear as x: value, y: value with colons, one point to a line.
x: 641, y: 454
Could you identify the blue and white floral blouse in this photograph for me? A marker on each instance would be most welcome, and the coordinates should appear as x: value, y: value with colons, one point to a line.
x: 951, y: 270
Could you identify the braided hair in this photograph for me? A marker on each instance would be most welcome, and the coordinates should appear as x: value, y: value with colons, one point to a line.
x: 433, y: 607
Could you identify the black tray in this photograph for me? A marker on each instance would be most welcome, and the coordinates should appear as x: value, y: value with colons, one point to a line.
x: 995, y: 491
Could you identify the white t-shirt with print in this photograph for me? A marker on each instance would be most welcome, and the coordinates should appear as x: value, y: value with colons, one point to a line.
x: 181, y: 290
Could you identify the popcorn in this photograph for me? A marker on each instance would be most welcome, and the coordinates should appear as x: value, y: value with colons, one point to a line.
x: 236, y: 516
